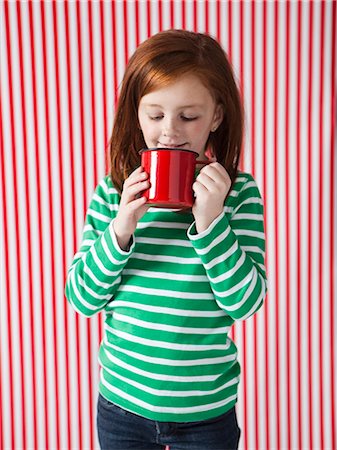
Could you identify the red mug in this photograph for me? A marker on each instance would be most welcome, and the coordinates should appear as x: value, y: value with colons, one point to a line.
x: 171, y: 175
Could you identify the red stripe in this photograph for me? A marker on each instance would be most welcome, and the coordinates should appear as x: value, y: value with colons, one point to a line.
x: 299, y: 230
x: 114, y: 51
x: 62, y: 198
x: 172, y: 3
x: 63, y: 232
x: 230, y: 31
x: 265, y: 199
x: 28, y: 209
x: 241, y: 164
x: 195, y: 15
x: 148, y: 11
x: 84, y: 184
x: 206, y: 5
x: 73, y: 241
x: 218, y: 20
x: 137, y: 23
x: 287, y: 219
x: 5, y: 186
x: 160, y: 14
x: 104, y: 82
x: 38, y: 181
x: 42, y: 261
x: 233, y: 330
x: 309, y: 216
x: 333, y: 275
x: 257, y: 398
x: 126, y: 46
x: 94, y: 156
x: 51, y: 213
x: 183, y: 15
x: 18, y: 253
x: 320, y: 231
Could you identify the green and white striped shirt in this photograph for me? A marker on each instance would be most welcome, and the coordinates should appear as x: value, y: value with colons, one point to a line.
x: 170, y: 301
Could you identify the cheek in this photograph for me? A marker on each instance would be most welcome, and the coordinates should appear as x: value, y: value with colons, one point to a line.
x: 200, y: 133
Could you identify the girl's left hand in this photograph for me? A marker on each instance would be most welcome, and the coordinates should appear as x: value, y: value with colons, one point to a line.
x: 210, y: 188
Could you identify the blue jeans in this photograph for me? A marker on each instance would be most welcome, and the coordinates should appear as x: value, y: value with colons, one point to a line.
x: 121, y: 430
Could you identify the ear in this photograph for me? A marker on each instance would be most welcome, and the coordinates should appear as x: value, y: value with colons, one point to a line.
x: 218, y: 116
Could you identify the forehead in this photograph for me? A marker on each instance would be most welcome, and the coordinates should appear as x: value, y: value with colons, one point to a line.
x: 187, y: 90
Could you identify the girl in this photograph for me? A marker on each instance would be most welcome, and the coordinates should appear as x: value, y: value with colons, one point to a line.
x: 171, y: 284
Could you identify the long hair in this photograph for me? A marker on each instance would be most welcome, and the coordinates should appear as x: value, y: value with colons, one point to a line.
x: 159, y: 61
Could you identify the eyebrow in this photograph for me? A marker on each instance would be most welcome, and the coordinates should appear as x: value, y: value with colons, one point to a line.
x: 153, y: 105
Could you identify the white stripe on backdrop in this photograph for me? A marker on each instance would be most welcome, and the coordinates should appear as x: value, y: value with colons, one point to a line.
x: 61, y: 65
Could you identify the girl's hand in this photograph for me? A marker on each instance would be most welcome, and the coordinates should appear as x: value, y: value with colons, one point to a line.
x: 211, y: 188
x: 132, y: 207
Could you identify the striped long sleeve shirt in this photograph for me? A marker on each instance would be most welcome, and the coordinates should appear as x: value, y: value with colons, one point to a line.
x: 170, y: 301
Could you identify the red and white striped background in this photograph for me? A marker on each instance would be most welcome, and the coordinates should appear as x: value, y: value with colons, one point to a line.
x: 61, y: 65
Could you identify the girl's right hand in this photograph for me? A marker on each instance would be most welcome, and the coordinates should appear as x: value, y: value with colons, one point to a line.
x: 131, y: 207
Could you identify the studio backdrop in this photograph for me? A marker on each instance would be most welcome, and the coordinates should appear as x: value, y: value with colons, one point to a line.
x: 61, y: 66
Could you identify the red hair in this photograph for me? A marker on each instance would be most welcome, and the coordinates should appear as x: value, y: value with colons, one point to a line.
x: 159, y: 61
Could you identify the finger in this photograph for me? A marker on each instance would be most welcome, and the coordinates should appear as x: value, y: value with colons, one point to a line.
x: 137, y: 176
x: 206, y: 180
x: 130, y: 192
x: 217, y: 173
x: 199, y: 188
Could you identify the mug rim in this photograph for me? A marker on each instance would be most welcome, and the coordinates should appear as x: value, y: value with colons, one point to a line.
x: 151, y: 149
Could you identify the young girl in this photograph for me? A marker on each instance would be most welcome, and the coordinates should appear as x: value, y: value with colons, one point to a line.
x: 171, y: 282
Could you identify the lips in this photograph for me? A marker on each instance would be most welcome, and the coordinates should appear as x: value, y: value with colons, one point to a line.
x: 171, y: 145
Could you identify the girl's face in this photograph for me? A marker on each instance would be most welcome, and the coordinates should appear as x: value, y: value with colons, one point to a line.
x: 180, y: 115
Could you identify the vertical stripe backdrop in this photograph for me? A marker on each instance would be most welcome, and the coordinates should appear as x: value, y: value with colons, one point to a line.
x: 61, y: 65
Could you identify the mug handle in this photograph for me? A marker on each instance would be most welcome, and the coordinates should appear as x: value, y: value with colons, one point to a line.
x: 203, y: 162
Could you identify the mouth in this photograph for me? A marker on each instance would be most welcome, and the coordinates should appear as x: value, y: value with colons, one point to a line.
x: 171, y: 145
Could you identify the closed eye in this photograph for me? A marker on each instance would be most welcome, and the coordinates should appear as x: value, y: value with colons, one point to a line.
x: 188, y: 119
x: 156, y: 117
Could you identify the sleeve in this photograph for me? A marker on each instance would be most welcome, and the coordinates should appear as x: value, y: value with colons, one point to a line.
x: 233, y: 251
x: 95, y: 272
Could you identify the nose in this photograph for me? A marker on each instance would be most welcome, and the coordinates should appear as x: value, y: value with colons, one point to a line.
x: 170, y: 127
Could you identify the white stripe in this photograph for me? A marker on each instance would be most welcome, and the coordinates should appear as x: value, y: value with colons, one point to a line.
x: 170, y: 328
x: 248, y: 201
x: 248, y: 216
x: 78, y: 294
x: 162, y: 409
x: 93, y: 293
x: 167, y: 393
x: 114, y: 304
x: 253, y: 249
x: 252, y: 233
x: 156, y: 224
x: 222, y: 258
x: 258, y: 301
x: 159, y: 376
x: 89, y: 228
x: 165, y: 275
x: 174, y: 362
x: 110, y: 206
x: 93, y: 277
x: 222, y: 236
x: 164, y: 258
x: 109, y: 254
x: 166, y: 293
x: 157, y: 241
x: 237, y: 287
x: 108, y: 190
x: 164, y: 344
x: 98, y: 216
x: 230, y: 272
x: 109, y: 273
x: 87, y: 243
x: 246, y: 295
